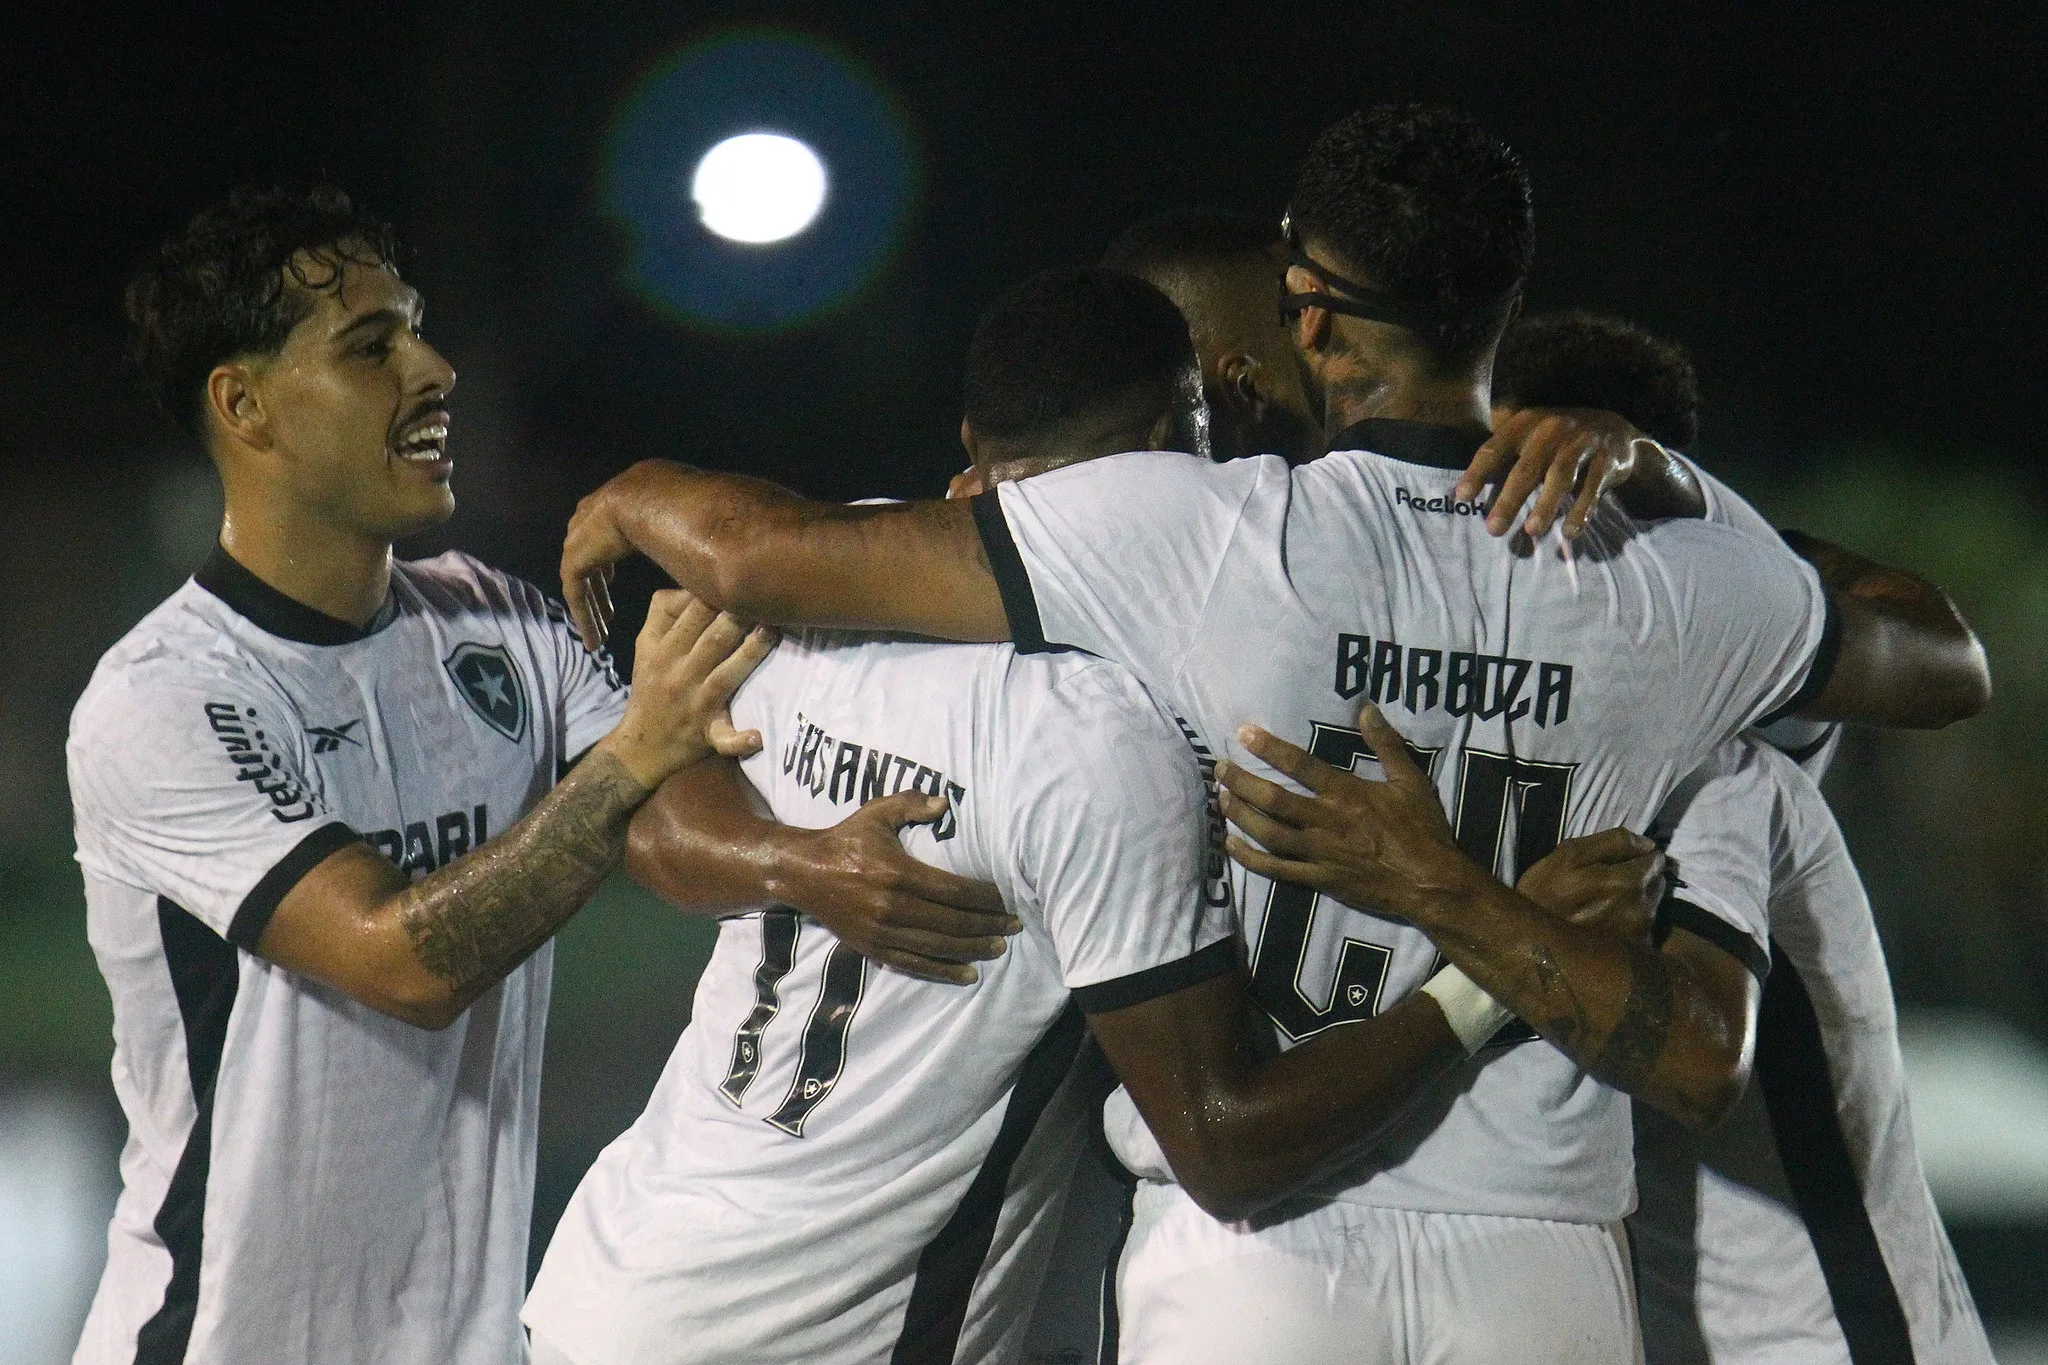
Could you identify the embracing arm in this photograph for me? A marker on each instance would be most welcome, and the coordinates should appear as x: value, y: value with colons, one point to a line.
x: 1243, y: 1127
x: 707, y: 845
x: 1673, y: 1028
x: 1908, y: 658
x: 423, y: 951
x: 769, y: 555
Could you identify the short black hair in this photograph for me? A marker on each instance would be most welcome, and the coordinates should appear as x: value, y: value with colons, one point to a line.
x: 1583, y: 360
x: 1066, y: 343
x: 216, y: 289
x: 1431, y: 208
x: 1174, y: 241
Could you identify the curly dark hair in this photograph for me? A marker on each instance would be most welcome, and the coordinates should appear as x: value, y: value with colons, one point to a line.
x: 218, y: 288
x: 1065, y: 343
x: 1429, y: 207
x: 1583, y: 360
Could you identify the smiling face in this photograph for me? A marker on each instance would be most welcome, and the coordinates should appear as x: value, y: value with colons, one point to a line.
x: 350, y: 414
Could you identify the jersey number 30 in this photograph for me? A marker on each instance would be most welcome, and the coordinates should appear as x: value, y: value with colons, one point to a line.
x: 1491, y: 788
x: 824, y: 1043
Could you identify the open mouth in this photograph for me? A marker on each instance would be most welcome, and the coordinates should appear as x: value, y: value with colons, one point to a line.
x: 425, y: 442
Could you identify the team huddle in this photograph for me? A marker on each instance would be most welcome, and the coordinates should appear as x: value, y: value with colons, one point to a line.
x: 1309, y: 853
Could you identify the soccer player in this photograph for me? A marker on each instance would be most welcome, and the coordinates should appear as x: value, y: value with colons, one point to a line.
x: 329, y: 810
x: 1542, y: 695
x: 1801, y: 1227
x: 926, y: 1128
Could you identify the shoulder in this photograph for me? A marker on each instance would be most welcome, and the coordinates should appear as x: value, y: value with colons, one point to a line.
x: 182, y: 651
x: 454, y: 583
x: 1090, y: 707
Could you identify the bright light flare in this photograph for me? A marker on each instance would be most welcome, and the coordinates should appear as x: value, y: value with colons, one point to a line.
x: 758, y: 188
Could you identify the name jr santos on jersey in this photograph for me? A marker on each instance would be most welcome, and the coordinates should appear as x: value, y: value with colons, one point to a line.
x: 923, y: 1131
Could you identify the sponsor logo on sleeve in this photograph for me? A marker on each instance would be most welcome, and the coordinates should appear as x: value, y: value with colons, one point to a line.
x: 328, y: 738
x: 248, y: 748
x: 489, y: 681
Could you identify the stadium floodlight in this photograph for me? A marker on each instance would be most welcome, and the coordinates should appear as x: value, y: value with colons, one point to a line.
x: 758, y: 188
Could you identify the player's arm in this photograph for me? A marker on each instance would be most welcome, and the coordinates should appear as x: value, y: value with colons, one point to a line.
x: 1673, y: 1029
x: 422, y: 951
x: 1245, y: 1126
x: 767, y: 554
x: 706, y: 844
x: 1907, y: 657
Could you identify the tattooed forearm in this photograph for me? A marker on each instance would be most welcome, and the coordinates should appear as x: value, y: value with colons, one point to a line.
x: 1637, y: 1039
x: 475, y: 920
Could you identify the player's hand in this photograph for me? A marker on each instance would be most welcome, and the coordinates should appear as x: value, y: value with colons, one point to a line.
x: 1372, y: 845
x: 687, y: 663
x: 1565, y: 456
x: 1613, y: 880
x: 595, y: 542
x: 856, y: 879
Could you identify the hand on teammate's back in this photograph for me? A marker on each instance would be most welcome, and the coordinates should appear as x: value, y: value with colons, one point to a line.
x: 1613, y: 881
x: 1567, y: 457
x: 1369, y: 844
x: 856, y: 879
x: 688, y: 661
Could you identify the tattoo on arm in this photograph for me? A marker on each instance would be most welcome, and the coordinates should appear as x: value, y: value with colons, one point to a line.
x: 474, y: 921
x: 1630, y: 1051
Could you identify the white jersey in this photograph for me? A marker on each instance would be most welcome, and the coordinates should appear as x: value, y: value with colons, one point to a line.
x: 842, y: 1163
x: 1549, y: 695
x: 305, y: 1179
x: 1800, y: 1229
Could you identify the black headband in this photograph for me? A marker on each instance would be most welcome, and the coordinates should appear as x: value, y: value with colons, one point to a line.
x: 1374, y: 305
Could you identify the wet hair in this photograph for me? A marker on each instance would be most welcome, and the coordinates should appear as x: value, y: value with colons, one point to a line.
x: 1180, y: 240
x: 218, y: 288
x: 1428, y: 207
x: 1067, y: 343
x: 1583, y: 360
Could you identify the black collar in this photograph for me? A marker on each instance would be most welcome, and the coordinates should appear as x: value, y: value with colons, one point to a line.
x: 1429, y: 443
x: 271, y: 610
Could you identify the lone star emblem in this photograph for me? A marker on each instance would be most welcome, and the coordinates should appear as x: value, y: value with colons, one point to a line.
x: 489, y: 682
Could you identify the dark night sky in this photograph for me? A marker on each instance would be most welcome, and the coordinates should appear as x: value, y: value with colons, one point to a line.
x: 1841, y: 213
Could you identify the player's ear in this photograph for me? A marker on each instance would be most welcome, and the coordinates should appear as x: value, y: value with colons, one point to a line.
x: 235, y: 405
x: 1311, y: 327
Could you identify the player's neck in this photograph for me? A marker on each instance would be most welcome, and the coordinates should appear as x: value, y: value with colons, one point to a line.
x: 1446, y: 402
x: 335, y: 572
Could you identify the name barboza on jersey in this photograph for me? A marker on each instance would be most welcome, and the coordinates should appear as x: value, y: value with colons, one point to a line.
x: 1462, y: 682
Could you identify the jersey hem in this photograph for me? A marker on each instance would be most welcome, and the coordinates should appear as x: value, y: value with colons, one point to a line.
x: 1678, y: 913
x: 1825, y: 656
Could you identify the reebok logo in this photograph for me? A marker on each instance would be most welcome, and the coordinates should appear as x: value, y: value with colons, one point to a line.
x: 328, y: 738
x: 1443, y: 504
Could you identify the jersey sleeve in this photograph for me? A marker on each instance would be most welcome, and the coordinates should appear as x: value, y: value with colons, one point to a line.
x: 1757, y: 635
x: 197, y: 794
x: 1726, y: 507
x: 1110, y: 821
x: 593, y: 697
x: 1717, y: 828
x: 1116, y: 556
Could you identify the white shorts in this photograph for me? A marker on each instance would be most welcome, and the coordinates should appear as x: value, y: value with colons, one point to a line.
x: 1369, y: 1286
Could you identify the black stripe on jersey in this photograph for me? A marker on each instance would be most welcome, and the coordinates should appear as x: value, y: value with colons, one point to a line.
x: 253, y: 915
x: 205, y: 971
x: 1799, y: 1094
x: 780, y: 930
x: 1825, y: 657
x: 952, y: 1261
x: 1168, y: 977
x: 286, y: 617
x: 1679, y: 913
x: 1019, y: 604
